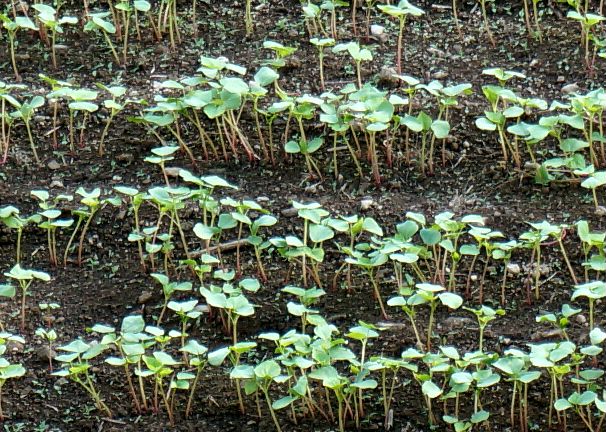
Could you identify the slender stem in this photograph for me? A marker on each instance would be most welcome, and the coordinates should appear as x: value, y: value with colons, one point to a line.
x: 11, y: 38
x: 375, y: 286
x: 31, y: 139
x: 83, y: 234
x: 71, y: 239
x: 271, y: 410
x: 565, y: 255
x: 190, y: 399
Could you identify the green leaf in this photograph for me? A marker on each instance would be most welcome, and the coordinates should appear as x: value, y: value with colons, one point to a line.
x: 452, y: 300
x: 431, y: 390
x: 484, y: 124
x: 320, y: 233
x: 292, y: 147
x: 283, y: 402
x: 7, y: 290
x: 440, y: 128
x: 266, y: 76
x: 479, y: 417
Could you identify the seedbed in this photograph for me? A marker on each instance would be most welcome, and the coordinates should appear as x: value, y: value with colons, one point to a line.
x: 285, y: 220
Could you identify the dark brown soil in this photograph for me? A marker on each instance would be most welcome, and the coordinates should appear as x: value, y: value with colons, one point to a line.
x: 110, y: 282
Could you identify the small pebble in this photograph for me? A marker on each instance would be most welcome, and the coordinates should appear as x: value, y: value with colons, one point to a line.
x: 366, y: 203
x: 144, y: 297
x: 377, y: 30
x: 54, y: 165
x: 570, y: 88
x: 513, y: 268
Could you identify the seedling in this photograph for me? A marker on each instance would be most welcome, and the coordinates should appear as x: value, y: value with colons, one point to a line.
x: 59, y: 90
x: 10, y: 217
x: 496, y: 119
x: 306, y: 297
x: 47, y: 15
x: 332, y: 5
x: 483, y: 237
x: 484, y: 315
x: 81, y: 101
x: 113, y: 106
x: 555, y: 357
x: 239, y: 371
x: 25, y: 278
x: 369, y: 261
x: 12, y: 27
x: 185, y: 310
x: 77, y: 368
x: 126, y: 9
x: 136, y: 200
x: 587, y: 22
x: 265, y: 373
x: 131, y: 344
x: 333, y: 380
x: 401, y: 12
x: 281, y: 52
x: 306, y: 148
x: 503, y: 251
x: 363, y: 333
x: 258, y: 242
x: 241, y: 218
x: 234, y: 305
x: 198, y: 360
x: 592, y: 291
x: 532, y: 239
x: 312, y: 215
x: 161, y: 155
x: 144, y: 7
x: 321, y: 44
x: 168, y: 202
x: 168, y: 288
x: 560, y: 320
x: 86, y: 214
x: 48, y: 219
x: 25, y: 111
x: 313, y: 19
x: 159, y: 366
x: 6, y: 120
x: 589, y: 240
x: 98, y: 23
x: 426, y: 127
x: 424, y: 293
x: 8, y: 370
x: 49, y: 336
x: 357, y: 53
x: 515, y: 365
x: 592, y: 182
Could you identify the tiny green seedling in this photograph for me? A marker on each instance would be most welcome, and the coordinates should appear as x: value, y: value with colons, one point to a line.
x: 97, y: 22
x: 78, y: 369
x: 401, y: 12
x: 357, y: 53
x: 8, y: 370
x: 47, y: 15
x: 114, y: 106
x: 25, y: 112
x: 321, y: 44
x: 12, y: 28
x: 168, y: 288
x: 25, y: 278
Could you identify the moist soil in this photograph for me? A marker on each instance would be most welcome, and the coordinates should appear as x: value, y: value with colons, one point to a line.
x: 110, y: 283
